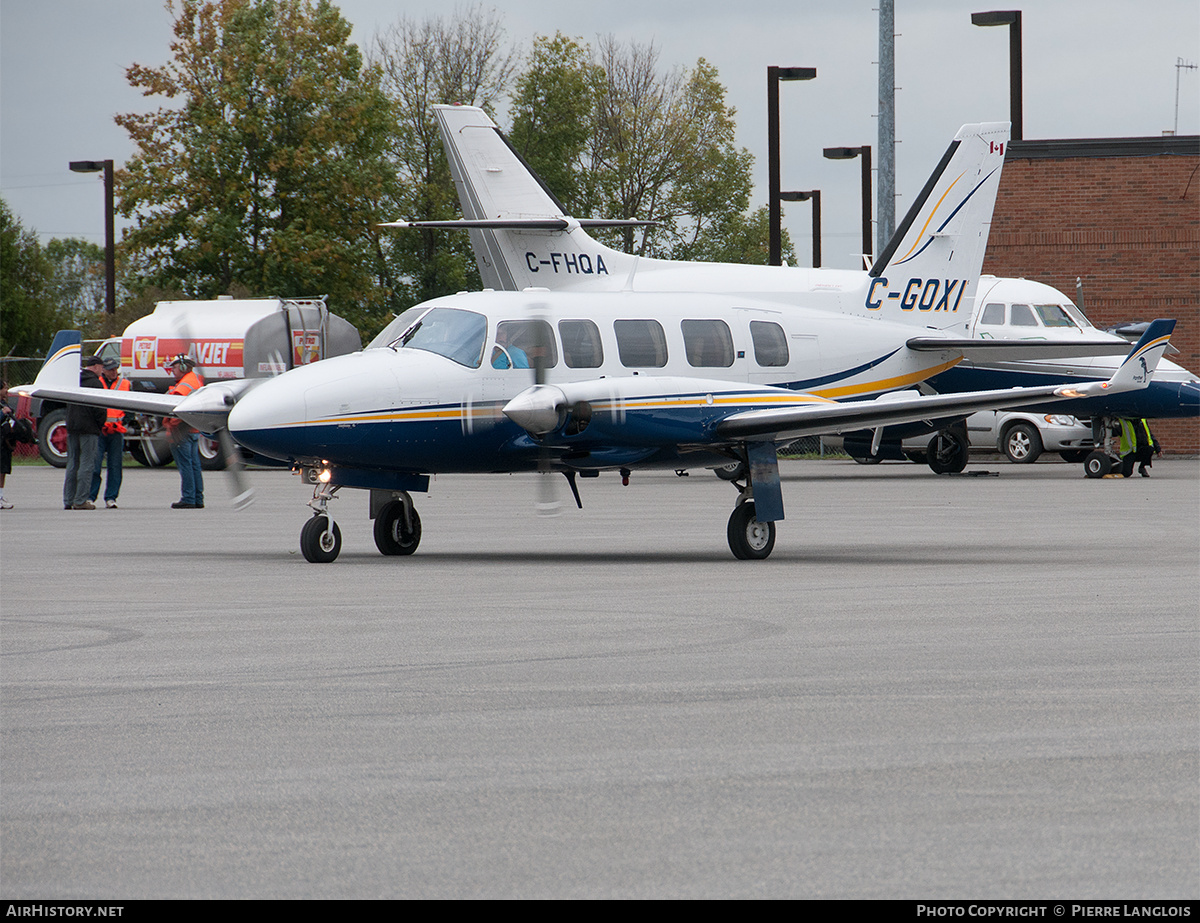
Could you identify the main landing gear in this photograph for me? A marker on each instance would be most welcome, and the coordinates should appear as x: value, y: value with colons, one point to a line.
x: 752, y: 539
x: 398, y: 527
x: 749, y: 539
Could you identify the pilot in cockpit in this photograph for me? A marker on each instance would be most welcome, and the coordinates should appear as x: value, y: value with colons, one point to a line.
x: 506, y: 355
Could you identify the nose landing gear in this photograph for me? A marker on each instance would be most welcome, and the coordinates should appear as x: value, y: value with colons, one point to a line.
x: 321, y: 539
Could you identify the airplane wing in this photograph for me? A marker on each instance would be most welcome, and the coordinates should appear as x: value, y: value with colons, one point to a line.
x: 782, y: 423
x: 999, y: 350
x: 205, y: 408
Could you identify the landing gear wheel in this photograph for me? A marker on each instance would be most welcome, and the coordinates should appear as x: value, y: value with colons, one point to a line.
x: 320, y: 546
x: 749, y: 539
x: 52, y: 438
x: 948, y: 452
x: 867, y: 459
x: 734, y: 471
x: 1097, y: 464
x: 1022, y: 444
x: 391, y: 534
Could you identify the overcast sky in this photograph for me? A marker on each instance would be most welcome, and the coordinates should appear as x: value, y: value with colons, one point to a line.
x: 1093, y: 68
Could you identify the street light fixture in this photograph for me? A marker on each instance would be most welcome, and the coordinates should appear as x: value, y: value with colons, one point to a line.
x: 815, y: 195
x: 774, y: 75
x: 110, y: 260
x: 849, y: 153
x: 1012, y: 19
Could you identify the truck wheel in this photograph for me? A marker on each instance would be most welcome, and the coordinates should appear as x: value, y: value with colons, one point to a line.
x: 1022, y: 444
x: 52, y: 437
x: 211, y: 457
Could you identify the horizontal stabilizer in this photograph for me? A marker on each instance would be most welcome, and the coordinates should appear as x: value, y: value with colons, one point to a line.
x: 522, y: 224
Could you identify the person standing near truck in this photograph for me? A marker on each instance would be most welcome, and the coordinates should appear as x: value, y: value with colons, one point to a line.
x: 185, y: 442
x: 83, y: 437
x: 112, y: 438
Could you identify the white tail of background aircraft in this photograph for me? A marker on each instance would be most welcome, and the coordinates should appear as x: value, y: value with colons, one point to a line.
x: 523, y: 238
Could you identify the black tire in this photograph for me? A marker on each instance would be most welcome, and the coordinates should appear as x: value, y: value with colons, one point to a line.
x: 318, y: 546
x: 155, y: 453
x: 917, y: 458
x: 391, y: 536
x: 867, y: 459
x: 211, y: 456
x: 1022, y: 444
x: 52, y: 437
x: 1097, y: 464
x: 1073, y: 456
x: 734, y: 471
x: 749, y: 539
x: 948, y: 452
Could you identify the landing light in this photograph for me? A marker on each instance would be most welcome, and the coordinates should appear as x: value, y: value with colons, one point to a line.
x: 325, y: 475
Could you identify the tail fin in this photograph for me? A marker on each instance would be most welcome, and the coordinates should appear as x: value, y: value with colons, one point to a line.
x: 521, y: 234
x: 931, y: 266
x: 61, y: 368
x: 1138, y: 368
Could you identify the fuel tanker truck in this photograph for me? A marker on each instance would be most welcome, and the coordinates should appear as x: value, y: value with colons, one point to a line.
x: 229, y: 338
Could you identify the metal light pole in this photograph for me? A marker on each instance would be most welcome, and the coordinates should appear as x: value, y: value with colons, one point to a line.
x: 110, y: 258
x: 815, y: 195
x: 774, y: 75
x: 849, y: 153
x: 1016, y: 103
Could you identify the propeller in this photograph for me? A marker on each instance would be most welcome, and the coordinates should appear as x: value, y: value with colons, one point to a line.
x: 207, y: 409
x: 548, y: 503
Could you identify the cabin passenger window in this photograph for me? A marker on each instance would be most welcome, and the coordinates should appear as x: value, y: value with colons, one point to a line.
x: 449, y: 332
x: 770, y: 343
x: 524, y: 344
x: 1053, y: 315
x: 993, y: 315
x: 1022, y: 316
x: 581, y: 344
x: 641, y: 343
x: 707, y: 343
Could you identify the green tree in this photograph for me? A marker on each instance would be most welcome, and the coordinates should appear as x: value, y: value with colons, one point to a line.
x: 29, y: 315
x: 461, y: 59
x: 270, y: 171
x: 76, y: 281
x: 552, y: 117
x: 663, y: 148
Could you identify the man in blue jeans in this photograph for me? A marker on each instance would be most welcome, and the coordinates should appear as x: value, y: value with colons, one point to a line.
x: 112, y: 439
x: 185, y: 442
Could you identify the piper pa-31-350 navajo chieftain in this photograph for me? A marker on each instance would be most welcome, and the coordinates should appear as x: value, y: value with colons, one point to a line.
x: 579, y: 382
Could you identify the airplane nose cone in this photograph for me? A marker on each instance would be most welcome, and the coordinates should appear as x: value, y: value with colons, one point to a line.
x: 270, y: 420
x: 537, y: 410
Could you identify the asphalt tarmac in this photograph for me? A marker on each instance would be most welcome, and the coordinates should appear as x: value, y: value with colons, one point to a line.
x: 971, y: 687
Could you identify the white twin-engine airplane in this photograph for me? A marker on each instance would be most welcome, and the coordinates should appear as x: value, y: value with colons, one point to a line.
x: 665, y: 372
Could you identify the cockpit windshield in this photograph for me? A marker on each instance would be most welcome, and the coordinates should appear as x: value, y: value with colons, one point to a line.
x: 1053, y: 315
x: 451, y: 332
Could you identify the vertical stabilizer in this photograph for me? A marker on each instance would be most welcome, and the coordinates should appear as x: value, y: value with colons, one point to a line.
x: 521, y: 234
x: 928, y: 273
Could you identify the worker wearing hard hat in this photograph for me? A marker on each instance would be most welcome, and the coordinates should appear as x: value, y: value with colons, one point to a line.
x: 185, y: 442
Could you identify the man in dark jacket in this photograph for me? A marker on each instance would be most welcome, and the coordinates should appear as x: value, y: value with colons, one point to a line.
x: 83, y: 436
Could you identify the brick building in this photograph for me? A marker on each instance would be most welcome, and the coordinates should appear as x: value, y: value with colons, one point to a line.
x: 1121, y: 214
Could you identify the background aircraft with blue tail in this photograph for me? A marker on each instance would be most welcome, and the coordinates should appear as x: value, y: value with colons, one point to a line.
x: 522, y: 238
